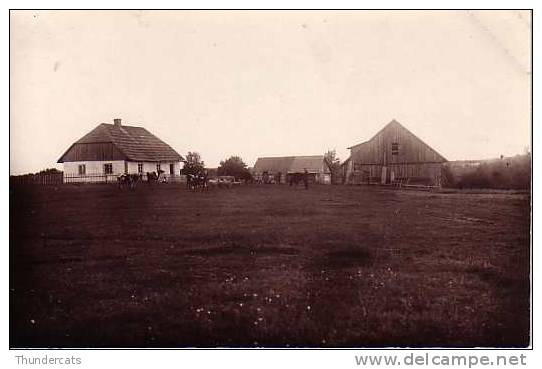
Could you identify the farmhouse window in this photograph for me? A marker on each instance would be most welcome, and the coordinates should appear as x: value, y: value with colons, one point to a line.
x: 140, y: 167
x: 171, y: 169
x: 108, y: 168
x: 82, y: 169
x: 158, y: 167
x: 395, y: 148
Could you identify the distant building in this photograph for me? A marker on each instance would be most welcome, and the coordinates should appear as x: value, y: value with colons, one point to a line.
x: 279, y: 169
x: 112, y: 149
x: 394, y: 156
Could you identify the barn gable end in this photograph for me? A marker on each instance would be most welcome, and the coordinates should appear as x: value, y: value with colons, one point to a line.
x: 394, y: 155
x: 409, y: 149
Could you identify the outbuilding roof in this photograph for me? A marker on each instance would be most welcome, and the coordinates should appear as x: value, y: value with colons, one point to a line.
x: 135, y: 143
x: 291, y: 164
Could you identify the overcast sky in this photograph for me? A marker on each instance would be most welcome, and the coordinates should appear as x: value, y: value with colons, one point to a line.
x: 270, y: 83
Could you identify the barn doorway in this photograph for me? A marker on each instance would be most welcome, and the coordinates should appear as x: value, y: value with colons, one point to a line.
x: 384, y: 178
x: 365, y: 177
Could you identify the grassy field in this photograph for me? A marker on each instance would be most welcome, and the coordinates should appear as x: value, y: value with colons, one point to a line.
x: 272, y: 266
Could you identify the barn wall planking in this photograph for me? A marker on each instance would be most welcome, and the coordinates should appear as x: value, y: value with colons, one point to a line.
x: 423, y: 173
x: 379, y: 149
x: 394, y: 155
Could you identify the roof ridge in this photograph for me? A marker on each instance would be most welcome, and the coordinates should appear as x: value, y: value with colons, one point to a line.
x: 289, y: 156
x: 378, y: 132
x: 123, y: 125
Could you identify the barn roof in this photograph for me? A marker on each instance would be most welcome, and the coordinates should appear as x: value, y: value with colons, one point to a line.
x: 273, y: 164
x: 311, y: 163
x: 346, y: 161
x: 392, y: 123
x: 135, y: 143
x: 290, y: 164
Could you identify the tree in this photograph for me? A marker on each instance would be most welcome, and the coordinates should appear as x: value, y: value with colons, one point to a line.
x: 234, y: 166
x: 50, y: 171
x: 193, y: 164
x: 333, y: 163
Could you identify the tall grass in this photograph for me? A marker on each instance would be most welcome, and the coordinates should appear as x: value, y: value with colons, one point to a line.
x: 505, y: 173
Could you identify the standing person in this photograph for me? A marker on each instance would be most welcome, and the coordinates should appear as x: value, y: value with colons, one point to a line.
x: 205, y: 179
x: 306, y: 179
x: 188, y: 181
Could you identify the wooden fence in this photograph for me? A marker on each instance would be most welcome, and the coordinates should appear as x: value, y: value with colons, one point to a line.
x: 37, y: 179
x: 59, y: 178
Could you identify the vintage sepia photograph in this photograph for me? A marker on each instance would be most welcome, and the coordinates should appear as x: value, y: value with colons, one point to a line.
x: 270, y: 179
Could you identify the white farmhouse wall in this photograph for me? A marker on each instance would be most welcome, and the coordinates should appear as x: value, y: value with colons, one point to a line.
x: 151, y: 167
x: 93, y: 167
x: 324, y: 178
x: 147, y: 167
x: 177, y: 168
x: 95, y: 170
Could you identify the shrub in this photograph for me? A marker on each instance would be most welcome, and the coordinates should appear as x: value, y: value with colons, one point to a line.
x: 506, y: 173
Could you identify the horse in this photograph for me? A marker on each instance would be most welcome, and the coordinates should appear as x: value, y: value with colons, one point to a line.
x: 128, y: 180
x: 154, y: 177
x: 296, y: 178
x: 190, y: 178
x: 196, y: 181
x: 200, y: 182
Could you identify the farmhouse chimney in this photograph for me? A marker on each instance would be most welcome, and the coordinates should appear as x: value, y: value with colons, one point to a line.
x: 117, y: 121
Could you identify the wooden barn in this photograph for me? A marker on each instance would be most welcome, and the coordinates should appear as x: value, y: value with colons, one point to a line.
x: 112, y: 149
x: 394, y: 156
x: 279, y: 169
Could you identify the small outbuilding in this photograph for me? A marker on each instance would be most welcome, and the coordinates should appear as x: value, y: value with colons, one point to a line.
x: 279, y: 169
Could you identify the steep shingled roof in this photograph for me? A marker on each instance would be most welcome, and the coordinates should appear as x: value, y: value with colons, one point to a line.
x: 291, y: 164
x: 136, y: 143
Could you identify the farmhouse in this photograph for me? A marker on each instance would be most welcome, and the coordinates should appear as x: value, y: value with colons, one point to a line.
x: 112, y: 149
x: 394, y: 156
x: 279, y: 169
